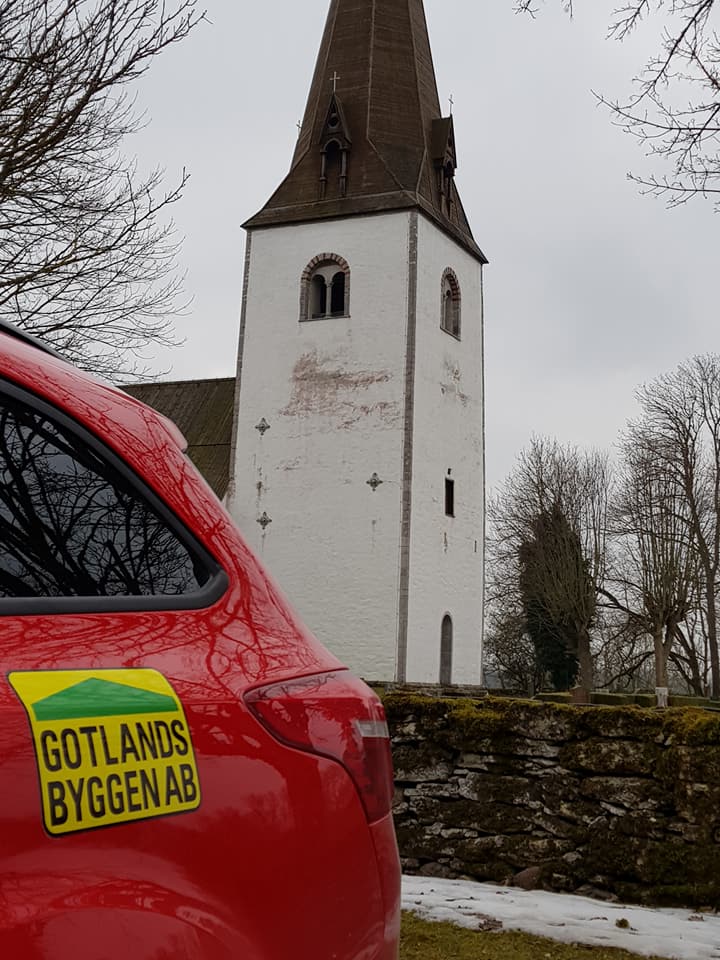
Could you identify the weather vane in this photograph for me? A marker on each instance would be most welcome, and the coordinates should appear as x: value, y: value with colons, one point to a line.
x: 452, y: 103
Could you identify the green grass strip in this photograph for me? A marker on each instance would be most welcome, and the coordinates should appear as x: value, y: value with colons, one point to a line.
x: 444, y: 941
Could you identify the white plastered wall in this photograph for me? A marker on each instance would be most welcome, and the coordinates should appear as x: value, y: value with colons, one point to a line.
x: 332, y: 392
x: 446, y: 554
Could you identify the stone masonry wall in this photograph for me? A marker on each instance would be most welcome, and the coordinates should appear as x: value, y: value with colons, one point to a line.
x: 610, y: 802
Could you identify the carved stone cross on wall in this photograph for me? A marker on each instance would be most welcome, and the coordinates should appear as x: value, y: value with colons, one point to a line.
x: 374, y: 482
x: 264, y: 521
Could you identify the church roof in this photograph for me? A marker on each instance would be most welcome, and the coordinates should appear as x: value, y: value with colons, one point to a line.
x: 203, y: 410
x: 375, y: 74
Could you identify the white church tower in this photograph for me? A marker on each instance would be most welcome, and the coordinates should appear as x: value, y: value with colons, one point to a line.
x: 358, y: 464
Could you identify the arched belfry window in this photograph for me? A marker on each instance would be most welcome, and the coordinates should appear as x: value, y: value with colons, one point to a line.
x: 447, y: 187
x: 333, y: 173
x: 325, y: 288
x: 450, y: 306
x: 335, y: 146
x: 446, y: 650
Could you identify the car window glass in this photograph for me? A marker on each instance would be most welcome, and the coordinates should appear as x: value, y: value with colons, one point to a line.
x: 72, y: 526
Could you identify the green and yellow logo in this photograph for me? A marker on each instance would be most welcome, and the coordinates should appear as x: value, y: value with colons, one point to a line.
x: 112, y: 746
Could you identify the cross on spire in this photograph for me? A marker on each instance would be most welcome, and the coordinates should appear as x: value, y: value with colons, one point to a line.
x: 452, y: 103
x: 335, y: 77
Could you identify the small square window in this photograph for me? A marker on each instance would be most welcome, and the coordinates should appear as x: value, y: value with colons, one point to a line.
x: 449, y: 497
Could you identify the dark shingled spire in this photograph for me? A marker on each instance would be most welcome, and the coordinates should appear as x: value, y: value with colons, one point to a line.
x: 373, y: 139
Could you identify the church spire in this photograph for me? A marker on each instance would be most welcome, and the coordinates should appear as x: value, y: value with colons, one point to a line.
x: 373, y: 138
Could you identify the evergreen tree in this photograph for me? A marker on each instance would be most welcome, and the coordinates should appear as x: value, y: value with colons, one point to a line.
x: 558, y: 595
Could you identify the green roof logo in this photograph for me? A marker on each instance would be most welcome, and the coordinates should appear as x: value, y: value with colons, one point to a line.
x: 101, y: 698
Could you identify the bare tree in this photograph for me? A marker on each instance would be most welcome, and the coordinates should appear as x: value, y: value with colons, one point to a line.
x: 675, y: 108
x: 690, y: 657
x: 680, y: 425
x: 620, y: 650
x: 547, y: 479
x: 508, y: 651
x: 654, y: 575
x: 87, y: 252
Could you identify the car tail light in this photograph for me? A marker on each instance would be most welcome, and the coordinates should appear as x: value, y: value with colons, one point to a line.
x: 334, y: 715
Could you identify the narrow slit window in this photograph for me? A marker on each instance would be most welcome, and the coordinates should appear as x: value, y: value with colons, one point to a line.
x: 449, y: 497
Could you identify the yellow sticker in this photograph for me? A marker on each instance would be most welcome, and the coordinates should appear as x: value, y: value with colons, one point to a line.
x: 112, y: 746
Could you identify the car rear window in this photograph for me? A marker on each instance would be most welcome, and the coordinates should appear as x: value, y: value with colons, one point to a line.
x: 74, y: 524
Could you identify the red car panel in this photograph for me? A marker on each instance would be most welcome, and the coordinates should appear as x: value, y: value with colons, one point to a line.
x: 284, y: 857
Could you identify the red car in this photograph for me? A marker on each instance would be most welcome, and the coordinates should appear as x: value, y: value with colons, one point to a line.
x: 185, y: 772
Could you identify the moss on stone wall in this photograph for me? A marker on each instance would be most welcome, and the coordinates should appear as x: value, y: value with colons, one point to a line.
x: 618, y: 801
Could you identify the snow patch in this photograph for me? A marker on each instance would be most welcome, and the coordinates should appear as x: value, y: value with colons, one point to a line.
x: 674, y: 934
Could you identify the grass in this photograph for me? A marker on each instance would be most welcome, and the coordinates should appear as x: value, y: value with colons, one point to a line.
x: 443, y: 941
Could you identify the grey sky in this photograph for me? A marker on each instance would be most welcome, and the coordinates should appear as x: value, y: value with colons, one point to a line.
x: 591, y: 288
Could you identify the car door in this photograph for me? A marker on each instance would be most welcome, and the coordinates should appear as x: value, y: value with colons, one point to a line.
x: 95, y: 577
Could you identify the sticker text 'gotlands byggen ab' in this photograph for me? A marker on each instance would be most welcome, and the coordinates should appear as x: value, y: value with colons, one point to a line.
x: 112, y: 746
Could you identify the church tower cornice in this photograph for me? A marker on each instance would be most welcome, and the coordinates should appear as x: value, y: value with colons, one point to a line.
x: 373, y: 138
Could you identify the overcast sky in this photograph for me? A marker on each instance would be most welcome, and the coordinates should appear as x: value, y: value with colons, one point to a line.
x: 591, y: 288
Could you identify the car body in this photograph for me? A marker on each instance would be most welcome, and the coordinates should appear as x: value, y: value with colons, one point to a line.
x: 185, y: 772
